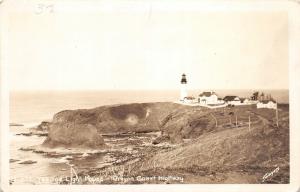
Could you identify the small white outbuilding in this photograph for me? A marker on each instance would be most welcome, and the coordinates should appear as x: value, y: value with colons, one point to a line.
x: 189, y: 100
x: 270, y: 104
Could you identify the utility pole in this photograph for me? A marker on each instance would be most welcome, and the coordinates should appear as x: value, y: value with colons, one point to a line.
x: 277, y: 116
x: 236, y: 122
x: 249, y: 123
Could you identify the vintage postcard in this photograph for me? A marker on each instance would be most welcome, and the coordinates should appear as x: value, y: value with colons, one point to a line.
x: 150, y: 95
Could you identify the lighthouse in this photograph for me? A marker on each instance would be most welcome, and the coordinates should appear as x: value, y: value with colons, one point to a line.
x: 183, y: 89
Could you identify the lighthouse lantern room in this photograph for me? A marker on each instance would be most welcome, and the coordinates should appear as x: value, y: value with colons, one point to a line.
x: 183, y: 90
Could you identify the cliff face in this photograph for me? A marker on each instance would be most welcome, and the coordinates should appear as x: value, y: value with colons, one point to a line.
x: 187, y: 123
x: 70, y: 134
x: 84, y: 127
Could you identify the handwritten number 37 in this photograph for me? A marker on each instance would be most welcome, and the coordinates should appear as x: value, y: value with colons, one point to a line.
x: 43, y: 8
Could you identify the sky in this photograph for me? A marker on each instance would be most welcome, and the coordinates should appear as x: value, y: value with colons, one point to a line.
x: 54, y: 47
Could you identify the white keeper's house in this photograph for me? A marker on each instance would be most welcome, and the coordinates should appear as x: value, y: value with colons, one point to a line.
x: 209, y: 98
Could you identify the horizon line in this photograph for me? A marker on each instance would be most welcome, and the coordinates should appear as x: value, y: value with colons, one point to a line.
x: 194, y: 89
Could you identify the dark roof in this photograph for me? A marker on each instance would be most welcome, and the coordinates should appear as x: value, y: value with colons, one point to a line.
x: 189, y: 97
x: 267, y: 101
x: 230, y: 98
x: 207, y: 94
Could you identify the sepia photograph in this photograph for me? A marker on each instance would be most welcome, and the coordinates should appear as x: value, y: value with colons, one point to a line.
x: 147, y: 92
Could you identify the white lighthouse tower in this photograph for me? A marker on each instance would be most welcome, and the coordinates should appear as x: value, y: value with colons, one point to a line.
x: 183, y: 89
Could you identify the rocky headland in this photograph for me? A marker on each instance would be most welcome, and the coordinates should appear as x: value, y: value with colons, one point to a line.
x: 85, y: 127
